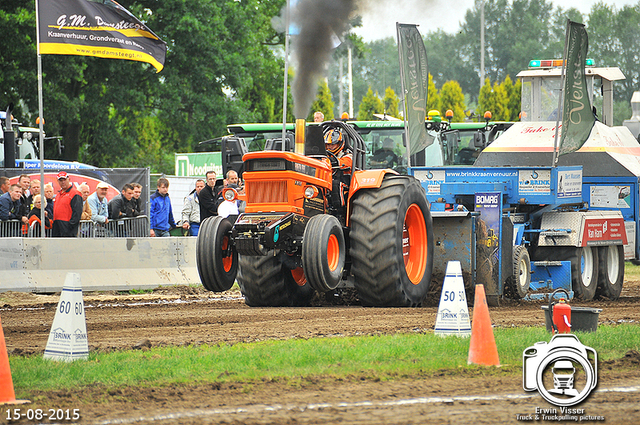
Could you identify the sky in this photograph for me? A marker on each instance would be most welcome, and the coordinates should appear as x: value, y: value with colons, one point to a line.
x: 379, y: 17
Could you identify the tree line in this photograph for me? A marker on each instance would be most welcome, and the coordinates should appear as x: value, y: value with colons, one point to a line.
x: 225, y: 65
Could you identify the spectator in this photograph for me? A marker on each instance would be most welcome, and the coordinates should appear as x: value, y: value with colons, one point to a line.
x: 99, y: 204
x: 10, y: 204
x: 209, y: 197
x: 232, y: 178
x: 4, y: 185
x: 191, y: 210
x: 34, y: 189
x: 161, y: 215
x: 67, y: 209
x: 25, y: 182
x: 34, y: 216
x: 121, y: 205
x: 138, y: 208
x: 48, y: 196
x: 86, y: 208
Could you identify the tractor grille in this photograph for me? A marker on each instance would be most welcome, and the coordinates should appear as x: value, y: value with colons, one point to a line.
x: 267, y: 192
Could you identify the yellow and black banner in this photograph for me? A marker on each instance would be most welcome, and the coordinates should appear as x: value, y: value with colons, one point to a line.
x: 99, y: 28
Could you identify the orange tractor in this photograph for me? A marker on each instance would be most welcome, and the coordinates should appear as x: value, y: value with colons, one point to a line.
x: 309, y: 225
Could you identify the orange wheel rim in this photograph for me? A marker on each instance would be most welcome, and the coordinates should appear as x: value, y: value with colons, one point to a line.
x: 414, y: 244
x: 298, y: 276
x: 333, y: 252
x: 227, y: 259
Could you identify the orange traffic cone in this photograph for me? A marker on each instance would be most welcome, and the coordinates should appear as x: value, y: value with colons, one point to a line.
x: 7, y: 396
x: 482, y: 347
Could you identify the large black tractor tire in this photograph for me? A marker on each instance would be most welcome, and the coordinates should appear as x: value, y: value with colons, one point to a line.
x: 216, y: 259
x: 391, y: 243
x: 266, y: 282
x: 521, y: 271
x: 323, y: 252
x: 611, y: 275
x: 584, y: 267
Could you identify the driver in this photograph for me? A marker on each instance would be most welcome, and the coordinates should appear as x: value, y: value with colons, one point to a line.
x: 385, y: 157
x: 334, y: 142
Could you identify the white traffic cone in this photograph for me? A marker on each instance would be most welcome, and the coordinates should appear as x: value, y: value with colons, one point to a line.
x: 68, y: 337
x: 453, y: 312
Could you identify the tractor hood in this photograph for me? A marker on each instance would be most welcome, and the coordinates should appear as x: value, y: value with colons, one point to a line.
x: 610, y: 151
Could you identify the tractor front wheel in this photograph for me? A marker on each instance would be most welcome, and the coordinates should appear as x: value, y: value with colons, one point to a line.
x: 216, y: 260
x: 323, y: 252
x: 391, y: 243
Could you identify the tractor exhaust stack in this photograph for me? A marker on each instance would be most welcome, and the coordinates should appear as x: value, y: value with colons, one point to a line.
x: 301, y: 127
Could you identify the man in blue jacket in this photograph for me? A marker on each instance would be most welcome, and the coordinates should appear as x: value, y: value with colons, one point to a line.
x: 10, y: 204
x: 10, y: 209
x: 161, y: 214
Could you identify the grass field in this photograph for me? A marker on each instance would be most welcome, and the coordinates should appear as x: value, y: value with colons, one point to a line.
x: 384, y: 357
x: 631, y: 272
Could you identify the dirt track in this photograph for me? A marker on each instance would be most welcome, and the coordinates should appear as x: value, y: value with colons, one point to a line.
x: 186, y: 315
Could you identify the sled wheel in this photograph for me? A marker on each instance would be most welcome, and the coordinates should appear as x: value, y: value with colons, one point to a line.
x: 391, y: 241
x: 584, y: 272
x: 584, y: 267
x: 265, y: 282
x: 323, y: 252
x: 611, y: 271
x: 521, y: 271
x: 216, y: 259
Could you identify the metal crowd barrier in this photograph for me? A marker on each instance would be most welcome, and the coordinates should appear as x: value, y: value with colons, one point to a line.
x: 35, y: 229
x: 129, y: 227
x: 10, y: 228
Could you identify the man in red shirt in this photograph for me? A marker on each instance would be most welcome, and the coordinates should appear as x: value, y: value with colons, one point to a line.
x: 67, y: 209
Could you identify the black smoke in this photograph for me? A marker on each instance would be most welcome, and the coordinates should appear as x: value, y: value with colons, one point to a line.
x: 322, y: 23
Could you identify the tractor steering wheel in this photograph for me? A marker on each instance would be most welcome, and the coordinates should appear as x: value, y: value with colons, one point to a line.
x: 335, y: 163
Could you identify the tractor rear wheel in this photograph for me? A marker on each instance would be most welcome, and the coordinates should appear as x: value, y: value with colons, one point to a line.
x: 323, y: 252
x: 266, y: 282
x: 391, y: 243
x: 611, y: 271
x: 216, y: 260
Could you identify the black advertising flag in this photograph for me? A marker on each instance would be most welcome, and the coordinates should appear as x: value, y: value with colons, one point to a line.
x: 413, y: 63
x: 577, y: 116
x: 99, y: 28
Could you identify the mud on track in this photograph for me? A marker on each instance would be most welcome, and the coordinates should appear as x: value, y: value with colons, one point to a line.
x: 188, y: 315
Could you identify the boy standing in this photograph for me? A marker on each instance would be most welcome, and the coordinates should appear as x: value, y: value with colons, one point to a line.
x: 161, y: 214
